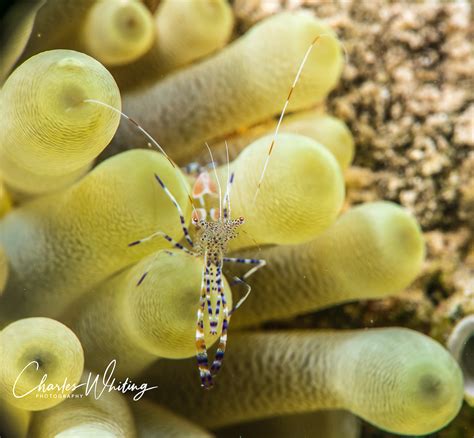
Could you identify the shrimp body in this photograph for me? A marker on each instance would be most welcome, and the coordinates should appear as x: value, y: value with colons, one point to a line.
x: 210, y: 242
x: 212, y: 237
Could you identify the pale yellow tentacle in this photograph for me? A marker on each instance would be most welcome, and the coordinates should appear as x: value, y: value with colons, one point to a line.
x: 61, y: 245
x: 107, y: 416
x: 48, y: 136
x: 301, y: 195
x: 242, y: 85
x: 373, y: 250
x: 117, y: 32
x: 32, y: 348
x: 185, y: 32
x: 397, y: 379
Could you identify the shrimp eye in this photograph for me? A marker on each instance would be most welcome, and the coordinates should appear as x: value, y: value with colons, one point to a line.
x: 198, y: 215
x: 241, y: 219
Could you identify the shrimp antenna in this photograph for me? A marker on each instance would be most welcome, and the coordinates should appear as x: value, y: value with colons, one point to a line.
x: 227, y: 190
x: 147, y: 135
x: 277, y: 129
x: 144, y: 132
x: 217, y: 179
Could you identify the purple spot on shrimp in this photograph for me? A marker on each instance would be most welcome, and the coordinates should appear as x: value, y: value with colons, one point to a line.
x: 159, y: 180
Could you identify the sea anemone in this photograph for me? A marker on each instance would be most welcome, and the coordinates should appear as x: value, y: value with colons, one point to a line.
x: 96, y: 237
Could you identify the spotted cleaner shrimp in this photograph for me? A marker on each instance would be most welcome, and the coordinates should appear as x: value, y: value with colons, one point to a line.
x: 213, y: 232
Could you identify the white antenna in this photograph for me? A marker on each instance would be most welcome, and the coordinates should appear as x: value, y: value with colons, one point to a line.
x: 277, y: 129
x: 148, y: 136
x: 98, y: 102
x: 227, y: 191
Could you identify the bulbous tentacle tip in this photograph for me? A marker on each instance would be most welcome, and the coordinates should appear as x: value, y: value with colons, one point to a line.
x: 286, y: 213
x: 47, y: 94
x: 461, y: 345
x: 31, y: 349
x: 70, y: 63
x: 71, y: 97
x: 431, y: 389
x: 438, y: 395
x: 72, y: 93
x: 118, y: 33
x: 436, y: 387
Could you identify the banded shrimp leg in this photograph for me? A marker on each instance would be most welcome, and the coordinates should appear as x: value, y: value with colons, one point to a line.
x: 162, y: 234
x: 259, y: 263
